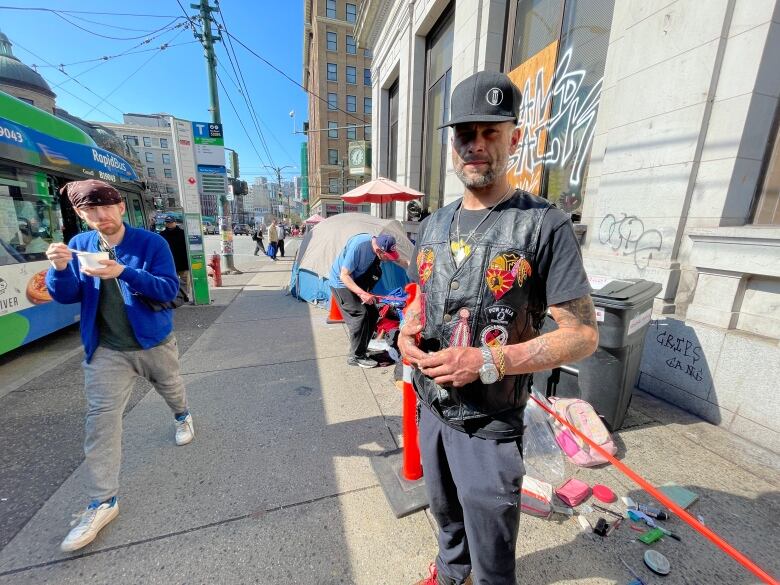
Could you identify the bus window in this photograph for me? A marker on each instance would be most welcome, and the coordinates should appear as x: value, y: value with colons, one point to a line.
x: 29, y: 214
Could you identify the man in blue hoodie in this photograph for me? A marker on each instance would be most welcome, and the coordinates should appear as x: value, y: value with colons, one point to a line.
x: 126, y: 332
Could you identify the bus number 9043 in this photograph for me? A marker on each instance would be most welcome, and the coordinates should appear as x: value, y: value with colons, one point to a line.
x: 11, y: 134
x: 107, y: 176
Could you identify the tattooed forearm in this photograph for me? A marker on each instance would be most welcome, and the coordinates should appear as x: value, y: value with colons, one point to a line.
x: 575, y: 313
x: 575, y: 338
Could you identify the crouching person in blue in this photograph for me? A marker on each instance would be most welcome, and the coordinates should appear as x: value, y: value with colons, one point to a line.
x: 123, y: 336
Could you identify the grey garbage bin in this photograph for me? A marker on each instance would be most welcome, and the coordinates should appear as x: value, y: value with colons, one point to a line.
x: 606, y: 379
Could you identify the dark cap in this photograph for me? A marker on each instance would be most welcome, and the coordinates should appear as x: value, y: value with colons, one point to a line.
x: 91, y: 193
x: 169, y: 219
x: 487, y: 96
x: 386, y: 243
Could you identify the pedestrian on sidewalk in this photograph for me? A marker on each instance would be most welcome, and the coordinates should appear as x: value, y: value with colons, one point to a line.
x: 281, y: 230
x: 123, y: 337
x: 258, y: 238
x: 352, y: 276
x: 177, y: 242
x: 273, y: 238
x: 489, y: 266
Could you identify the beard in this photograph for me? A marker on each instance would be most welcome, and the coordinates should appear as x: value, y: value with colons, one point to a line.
x: 484, y: 179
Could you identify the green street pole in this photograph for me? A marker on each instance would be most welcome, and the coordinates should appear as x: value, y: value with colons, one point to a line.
x: 207, y: 39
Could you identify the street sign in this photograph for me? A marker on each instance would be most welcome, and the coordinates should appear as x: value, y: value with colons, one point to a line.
x: 184, y: 155
x: 209, y: 144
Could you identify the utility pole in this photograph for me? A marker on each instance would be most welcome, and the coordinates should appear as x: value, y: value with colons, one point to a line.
x: 207, y: 40
x: 278, y: 172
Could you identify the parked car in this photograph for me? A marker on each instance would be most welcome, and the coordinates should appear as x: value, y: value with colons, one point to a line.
x: 241, y: 229
x: 210, y: 229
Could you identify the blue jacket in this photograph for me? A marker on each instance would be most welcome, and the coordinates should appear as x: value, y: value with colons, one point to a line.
x: 149, y: 271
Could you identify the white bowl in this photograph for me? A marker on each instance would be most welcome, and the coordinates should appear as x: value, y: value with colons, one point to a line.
x: 90, y: 259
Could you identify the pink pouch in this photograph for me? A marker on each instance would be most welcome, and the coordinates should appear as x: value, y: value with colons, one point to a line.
x: 573, y: 492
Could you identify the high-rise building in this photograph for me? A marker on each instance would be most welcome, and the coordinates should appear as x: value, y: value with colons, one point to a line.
x: 337, y: 75
x: 150, y: 136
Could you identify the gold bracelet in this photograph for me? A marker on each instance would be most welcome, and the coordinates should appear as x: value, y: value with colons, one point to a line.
x: 500, y: 363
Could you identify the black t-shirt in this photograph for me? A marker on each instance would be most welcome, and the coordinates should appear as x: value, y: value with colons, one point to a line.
x: 559, y: 258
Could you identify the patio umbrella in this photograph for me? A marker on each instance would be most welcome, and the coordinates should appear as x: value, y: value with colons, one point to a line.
x: 316, y: 218
x: 381, y: 190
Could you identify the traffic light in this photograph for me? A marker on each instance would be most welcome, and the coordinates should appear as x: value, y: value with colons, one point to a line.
x: 234, y: 164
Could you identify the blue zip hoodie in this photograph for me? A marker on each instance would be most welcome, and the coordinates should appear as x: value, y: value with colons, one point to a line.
x: 149, y: 271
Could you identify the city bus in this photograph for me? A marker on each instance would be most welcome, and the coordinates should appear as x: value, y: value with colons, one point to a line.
x: 39, y: 153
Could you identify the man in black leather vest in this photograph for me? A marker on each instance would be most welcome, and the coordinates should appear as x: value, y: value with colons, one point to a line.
x: 489, y: 266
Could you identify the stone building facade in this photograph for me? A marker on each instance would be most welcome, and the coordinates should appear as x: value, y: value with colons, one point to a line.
x: 655, y: 124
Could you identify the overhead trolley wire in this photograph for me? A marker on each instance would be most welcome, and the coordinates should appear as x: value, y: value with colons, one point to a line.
x: 238, y: 117
x: 126, y: 79
x: 275, y: 68
x: 245, y: 93
x: 91, y: 12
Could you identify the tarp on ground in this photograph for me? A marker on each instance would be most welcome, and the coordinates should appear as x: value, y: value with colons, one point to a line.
x: 324, y: 242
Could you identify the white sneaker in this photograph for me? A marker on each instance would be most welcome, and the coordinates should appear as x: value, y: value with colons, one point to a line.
x: 185, y: 431
x: 90, y: 522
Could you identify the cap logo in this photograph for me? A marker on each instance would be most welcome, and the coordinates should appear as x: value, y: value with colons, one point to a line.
x: 494, y: 96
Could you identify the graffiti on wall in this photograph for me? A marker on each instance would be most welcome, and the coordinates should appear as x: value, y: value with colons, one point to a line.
x: 628, y: 236
x: 561, y: 136
x: 680, y: 353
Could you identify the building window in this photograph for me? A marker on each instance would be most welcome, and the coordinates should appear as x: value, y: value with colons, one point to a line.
x: 768, y: 203
x: 333, y: 74
x: 333, y: 43
x: 332, y: 131
x: 168, y: 173
x: 171, y: 202
x: 351, y: 46
x: 149, y: 157
x: 163, y: 143
x: 367, y: 77
x: 131, y: 139
x: 333, y: 156
x: 333, y: 185
x: 366, y: 105
x: 570, y: 39
x: 166, y: 158
x: 392, y: 132
x: 333, y: 101
x: 368, y: 132
x: 147, y: 142
x: 330, y: 9
x: 351, y: 75
x: 351, y: 184
x: 351, y: 132
x: 438, y: 76
x: 151, y: 172
x: 368, y: 53
x: 351, y: 103
x: 351, y: 12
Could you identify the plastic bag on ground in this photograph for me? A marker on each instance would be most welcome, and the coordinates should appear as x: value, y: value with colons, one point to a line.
x: 542, y: 456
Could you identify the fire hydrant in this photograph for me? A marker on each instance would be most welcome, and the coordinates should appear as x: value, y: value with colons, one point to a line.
x: 215, y: 269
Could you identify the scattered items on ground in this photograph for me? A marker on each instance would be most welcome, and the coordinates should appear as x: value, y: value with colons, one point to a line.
x: 679, y: 495
x: 657, y: 562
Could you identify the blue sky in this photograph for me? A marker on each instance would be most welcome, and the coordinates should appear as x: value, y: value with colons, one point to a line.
x: 173, y: 80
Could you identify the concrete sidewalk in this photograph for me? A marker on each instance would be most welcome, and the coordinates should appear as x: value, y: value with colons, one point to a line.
x: 277, y: 486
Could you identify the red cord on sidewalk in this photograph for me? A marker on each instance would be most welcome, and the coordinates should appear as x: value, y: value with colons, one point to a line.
x: 661, y: 497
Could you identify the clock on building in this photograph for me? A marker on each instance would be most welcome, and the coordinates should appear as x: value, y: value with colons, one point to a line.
x: 356, y: 156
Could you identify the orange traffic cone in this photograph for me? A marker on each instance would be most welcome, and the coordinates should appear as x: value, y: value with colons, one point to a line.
x: 335, y: 315
x: 412, y: 466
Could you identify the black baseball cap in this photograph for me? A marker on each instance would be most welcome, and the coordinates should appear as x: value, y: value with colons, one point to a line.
x: 487, y: 96
x: 169, y: 219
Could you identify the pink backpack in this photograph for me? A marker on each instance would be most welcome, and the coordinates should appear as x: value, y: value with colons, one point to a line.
x: 581, y: 416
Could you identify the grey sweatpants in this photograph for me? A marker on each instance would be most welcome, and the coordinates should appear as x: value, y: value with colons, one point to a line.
x: 108, y: 381
x: 473, y: 488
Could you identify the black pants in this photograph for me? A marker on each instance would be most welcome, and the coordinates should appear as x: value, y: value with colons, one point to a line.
x: 360, y: 319
x: 473, y: 488
x: 281, y: 248
x: 259, y: 247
